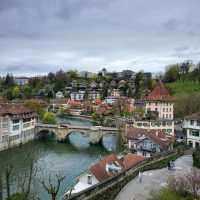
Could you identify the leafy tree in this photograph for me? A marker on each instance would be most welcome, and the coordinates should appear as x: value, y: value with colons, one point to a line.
x: 15, y: 92
x: 49, y: 118
x: 139, y: 84
x: 27, y: 91
x: 36, y: 106
x: 196, y: 157
x: 172, y: 73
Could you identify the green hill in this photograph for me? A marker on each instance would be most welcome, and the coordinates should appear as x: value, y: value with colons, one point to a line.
x: 183, y: 87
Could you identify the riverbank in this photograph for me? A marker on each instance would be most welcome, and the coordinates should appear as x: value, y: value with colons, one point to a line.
x: 153, y: 180
x: 68, y: 159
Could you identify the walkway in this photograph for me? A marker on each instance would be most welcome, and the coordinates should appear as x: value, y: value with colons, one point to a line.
x: 153, y: 180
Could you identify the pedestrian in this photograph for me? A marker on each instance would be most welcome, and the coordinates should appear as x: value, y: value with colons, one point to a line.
x: 140, y: 177
x: 168, y: 165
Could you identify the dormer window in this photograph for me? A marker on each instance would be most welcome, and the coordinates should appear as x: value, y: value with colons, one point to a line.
x: 89, y: 179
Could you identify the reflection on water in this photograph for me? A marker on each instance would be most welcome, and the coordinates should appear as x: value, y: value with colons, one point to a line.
x: 69, y: 159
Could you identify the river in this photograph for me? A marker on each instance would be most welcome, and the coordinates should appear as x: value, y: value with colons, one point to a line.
x: 68, y: 159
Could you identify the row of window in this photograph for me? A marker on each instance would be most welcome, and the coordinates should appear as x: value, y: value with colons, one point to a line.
x: 192, y: 122
x: 194, y: 133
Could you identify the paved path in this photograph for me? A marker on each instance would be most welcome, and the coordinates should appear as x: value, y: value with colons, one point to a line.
x: 153, y: 180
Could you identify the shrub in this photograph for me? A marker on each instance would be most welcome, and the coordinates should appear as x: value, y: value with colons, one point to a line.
x: 196, y: 158
x: 49, y: 118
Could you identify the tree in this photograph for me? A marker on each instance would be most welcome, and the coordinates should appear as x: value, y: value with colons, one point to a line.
x: 27, y: 91
x: 9, y: 81
x: 139, y: 84
x: 8, y: 173
x: 15, y: 92
x: 172, y: 73
x: 52, y: 189
x: 36, y: 106
x: 49, y: 118
x: 196, y: 157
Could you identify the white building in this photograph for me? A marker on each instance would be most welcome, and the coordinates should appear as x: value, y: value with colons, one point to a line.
x: 21, y: 80
x: 17, y: 125
x: 59, y: 95
x: 77, y: 96
x: 111, y: 100
x: 191, y: 125
x: 166, y: 126
x: 94, y: 95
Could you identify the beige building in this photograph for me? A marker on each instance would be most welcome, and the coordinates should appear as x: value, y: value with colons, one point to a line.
x: 160, y: 103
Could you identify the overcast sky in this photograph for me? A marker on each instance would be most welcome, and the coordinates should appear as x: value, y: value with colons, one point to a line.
x: 38, y: 36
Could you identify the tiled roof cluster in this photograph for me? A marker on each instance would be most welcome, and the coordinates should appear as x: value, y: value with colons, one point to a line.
x: 99, y: 169
x: 16, y: 111
x: 157, y: 136
x: 159, y: 93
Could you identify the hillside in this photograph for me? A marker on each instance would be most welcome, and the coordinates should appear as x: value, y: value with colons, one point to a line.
x: 183, y: 87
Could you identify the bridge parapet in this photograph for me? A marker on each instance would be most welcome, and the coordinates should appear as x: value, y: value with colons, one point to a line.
x: 62, y: 131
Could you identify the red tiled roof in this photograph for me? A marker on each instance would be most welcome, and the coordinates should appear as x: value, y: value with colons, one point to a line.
x: 194, y: 116
x: 159, y: 93
x: 130, y: 160
x: 157, y: 136
x: 99, y: 169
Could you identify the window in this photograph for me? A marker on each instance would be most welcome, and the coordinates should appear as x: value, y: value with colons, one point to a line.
x: 195, y: 133
x: 198, y: 122
x: 15, y: 127
x: 163, y: 109
x: 192, y: 122
x: 15, y: 121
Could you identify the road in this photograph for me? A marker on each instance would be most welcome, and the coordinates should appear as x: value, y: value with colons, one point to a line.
x: 153, y: 180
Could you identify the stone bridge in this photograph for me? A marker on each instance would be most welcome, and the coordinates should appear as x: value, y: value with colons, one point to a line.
x: 62, y: 131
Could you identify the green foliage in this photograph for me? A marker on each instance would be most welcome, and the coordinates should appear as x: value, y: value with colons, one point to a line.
x: 196, y: 157
x: 183, y: 87
x: 15, y: 92
x: 185, y: 105
x: 20, y: 196
x: 36, y: 106
x: 167, y: 194
x: 49, y: 118
x: 172, y: 73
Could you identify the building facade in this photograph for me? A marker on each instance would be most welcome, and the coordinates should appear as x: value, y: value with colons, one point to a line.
x: 191, y: 125
x: 147, y: 142
x: 161, y: 103
x: 17, y: 125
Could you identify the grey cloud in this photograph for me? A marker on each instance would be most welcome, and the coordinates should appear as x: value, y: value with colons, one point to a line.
x: 91, y: 34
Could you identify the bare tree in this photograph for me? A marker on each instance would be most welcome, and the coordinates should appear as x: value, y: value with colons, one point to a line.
x: 25, y: 179
x: 51, y: 188
x: 8, y: 172
x: 193, y: 179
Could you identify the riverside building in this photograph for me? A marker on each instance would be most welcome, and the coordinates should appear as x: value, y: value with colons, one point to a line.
x: 17, y: 125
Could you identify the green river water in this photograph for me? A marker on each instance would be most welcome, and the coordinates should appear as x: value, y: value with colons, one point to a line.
x: 68, y: 159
